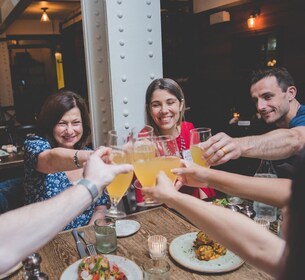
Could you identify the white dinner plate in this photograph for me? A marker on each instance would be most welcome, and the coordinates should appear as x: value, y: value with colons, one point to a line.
x: 11, y: 271
x: 148, y: 205
x: 126, y: 227
x: 130, y: 268
x: 182, y: 251
x: 3, y: 154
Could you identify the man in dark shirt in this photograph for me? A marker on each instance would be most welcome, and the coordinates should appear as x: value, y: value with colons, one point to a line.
x: 274, y: 94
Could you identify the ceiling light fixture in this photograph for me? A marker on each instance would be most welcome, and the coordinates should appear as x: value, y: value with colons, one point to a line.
x: 44, y: 16
x: 252, y: 20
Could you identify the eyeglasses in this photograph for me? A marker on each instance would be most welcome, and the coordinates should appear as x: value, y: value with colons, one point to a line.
x: 66, y: 125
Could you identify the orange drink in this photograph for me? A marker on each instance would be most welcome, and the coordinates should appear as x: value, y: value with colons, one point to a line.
x: 197, y: 155
x: 121, y: 182
x: 197, y: 136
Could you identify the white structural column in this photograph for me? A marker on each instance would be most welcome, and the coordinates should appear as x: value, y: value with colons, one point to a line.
x: 123, y: 51
x: 6, y: 96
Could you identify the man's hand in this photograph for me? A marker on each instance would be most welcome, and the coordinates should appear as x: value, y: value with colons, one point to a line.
x: 100, y: 173
x: 221, y: 148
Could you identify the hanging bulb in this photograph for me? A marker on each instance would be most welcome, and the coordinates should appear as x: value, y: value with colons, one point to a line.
x: 44, y: 16
x: 251, y: 22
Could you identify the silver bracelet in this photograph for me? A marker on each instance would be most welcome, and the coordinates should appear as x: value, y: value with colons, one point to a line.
x: 75, y: 160
x: 91, y: 187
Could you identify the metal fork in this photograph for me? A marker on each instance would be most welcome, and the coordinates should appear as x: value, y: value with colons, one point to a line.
x: 90, y: 247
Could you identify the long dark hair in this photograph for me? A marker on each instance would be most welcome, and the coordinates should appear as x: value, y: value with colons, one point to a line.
x: 295, y: 246
x: 172, y: 87
x: 55, y: 106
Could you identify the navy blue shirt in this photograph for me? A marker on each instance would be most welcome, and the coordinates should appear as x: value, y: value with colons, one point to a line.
x: 285, y: 168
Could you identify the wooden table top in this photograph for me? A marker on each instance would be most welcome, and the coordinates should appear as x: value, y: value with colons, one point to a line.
x: 61, y: 252
x: 11, y: 166
x: 12, y: 160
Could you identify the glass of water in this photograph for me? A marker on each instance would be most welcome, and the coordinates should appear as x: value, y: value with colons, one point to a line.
x: 156, y: 269
x: 105, y: 234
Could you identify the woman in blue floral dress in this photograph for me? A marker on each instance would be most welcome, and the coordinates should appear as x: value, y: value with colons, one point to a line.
x: 55, y: 156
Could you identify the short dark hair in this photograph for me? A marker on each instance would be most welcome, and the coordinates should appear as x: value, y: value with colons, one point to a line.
x: 172, y: 87
x: 55, y: 106
x: 283, y: 77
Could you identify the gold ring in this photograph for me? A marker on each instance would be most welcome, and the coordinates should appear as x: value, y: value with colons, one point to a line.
x: 224, y: 150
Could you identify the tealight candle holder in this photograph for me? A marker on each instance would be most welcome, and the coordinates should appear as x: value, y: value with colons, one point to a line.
x: 157, y: 246
x: 264, y: 223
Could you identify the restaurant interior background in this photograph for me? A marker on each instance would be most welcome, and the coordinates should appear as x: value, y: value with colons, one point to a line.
x: 207, y: 47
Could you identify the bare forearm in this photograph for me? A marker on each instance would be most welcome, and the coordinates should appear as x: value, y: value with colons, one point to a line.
x: 260, y: 189
x: 274, y: 145
x: 36, y: 222
x: 233, y: 230
x: 60, y: 159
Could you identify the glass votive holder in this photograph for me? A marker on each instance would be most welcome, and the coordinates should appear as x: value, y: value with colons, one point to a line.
x: 157, y: 246
x: 156, y: 270
x: 262, y: 222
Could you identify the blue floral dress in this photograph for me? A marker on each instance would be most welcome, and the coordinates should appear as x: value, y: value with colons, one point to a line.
x: 39, y: 186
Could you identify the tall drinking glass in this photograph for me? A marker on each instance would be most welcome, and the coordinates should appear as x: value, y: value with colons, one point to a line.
x: 197, y: 136
x: 121, y: 153
x: 150, y: 156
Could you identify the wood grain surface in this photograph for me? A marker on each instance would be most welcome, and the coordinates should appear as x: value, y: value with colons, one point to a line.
x: 61, y: 252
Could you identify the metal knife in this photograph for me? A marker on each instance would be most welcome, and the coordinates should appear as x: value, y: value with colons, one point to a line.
x: 80, y: 246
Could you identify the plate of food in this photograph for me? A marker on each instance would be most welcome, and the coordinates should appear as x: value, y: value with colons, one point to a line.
x: 126, y: 227
x: 11, y: 271
x: 3, y: 154
x: 110, y: 266
x: 196, y: 251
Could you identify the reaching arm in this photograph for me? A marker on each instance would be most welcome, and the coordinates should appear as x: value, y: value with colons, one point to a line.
x: 233, y: 230
x: 26, y: 229
x: 60, y: 159
x: 277, y: 144
x: 274, y: 145
x: 273, y: 191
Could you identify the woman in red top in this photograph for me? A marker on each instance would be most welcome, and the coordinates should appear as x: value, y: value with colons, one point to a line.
x: 165, y: 108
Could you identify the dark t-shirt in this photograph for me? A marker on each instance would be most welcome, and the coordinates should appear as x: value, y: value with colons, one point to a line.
x: 285, y: 168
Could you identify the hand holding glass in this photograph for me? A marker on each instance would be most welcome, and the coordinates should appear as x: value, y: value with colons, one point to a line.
x: 121, y: 148
x: 150, y: 156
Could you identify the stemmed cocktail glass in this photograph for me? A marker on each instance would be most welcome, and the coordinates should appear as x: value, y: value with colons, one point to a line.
x: 121, y: 145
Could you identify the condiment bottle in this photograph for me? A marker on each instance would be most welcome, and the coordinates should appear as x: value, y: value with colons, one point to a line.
x: 263, y: 210
x: 248, y: 211
x: 31, y: 267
